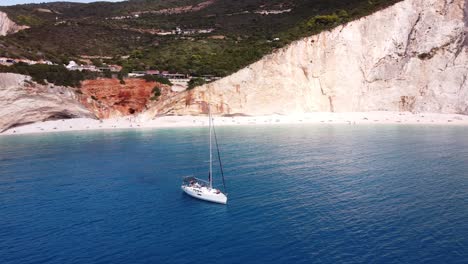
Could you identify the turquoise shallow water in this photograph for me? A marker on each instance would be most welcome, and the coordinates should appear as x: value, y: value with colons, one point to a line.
x: 297, y: 194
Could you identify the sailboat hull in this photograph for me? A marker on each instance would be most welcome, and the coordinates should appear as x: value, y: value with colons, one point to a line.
x: 206, y: 194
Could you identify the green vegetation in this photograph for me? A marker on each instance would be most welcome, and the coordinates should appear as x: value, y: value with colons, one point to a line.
x: 55, y: 74
x: 29, y: 20
x: 425, y: 56
x: 121, y: 78
x: 241, y: 36
x: 156, y: 93
x: 194, y: 82
x: 159, y: 79
x: 323, y: 20
x: 200, y: 56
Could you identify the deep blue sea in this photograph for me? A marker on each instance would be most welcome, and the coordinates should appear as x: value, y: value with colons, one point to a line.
x: 297, y: 194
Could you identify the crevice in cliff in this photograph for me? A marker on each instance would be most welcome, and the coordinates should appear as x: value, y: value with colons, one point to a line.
x: 447, y: 3
x: 165, y: 113
x: 459, y: 46
x: 330, y: 101
x: 410, y: 35
x: 454, y: 45
x: 462, y: 84
x: 364, y: 76
x: 465, y: 20
x: 383, y: 59
x: 304, y: 71
x: 428, y: 55
x: 320, y: 85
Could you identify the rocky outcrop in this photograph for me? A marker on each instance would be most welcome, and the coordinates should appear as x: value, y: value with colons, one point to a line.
x: 108, y: 98
x: 24, y: 101
x: 7, y: 26
x: 411, y: 56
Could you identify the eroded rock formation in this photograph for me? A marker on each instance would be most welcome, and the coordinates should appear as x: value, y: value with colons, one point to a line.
x: 411, y: 56
x: 24, y: 101
x: 7, y: 26
x: 108, y: 98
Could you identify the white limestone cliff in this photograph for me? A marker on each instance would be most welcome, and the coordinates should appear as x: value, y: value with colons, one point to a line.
x: 7, y: 26
x: 411, y: 56
x: 24, y: 101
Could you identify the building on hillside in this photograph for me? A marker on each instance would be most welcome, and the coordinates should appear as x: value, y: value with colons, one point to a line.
x: 152, y: 72
x: 11, y: 61
x: 135, y: 74
x: 205, y: 31
x: 115, y: 68
x: 73, y: 66
x: 111, y: 68
x: 29, y: 62
x: 210, y: 78
x: 165, y: 33
x: 7, y: 61
x: 175, y: 76
x: 47, y: 62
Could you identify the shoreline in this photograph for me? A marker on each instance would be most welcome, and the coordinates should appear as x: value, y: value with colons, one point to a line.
x: 135, y: 122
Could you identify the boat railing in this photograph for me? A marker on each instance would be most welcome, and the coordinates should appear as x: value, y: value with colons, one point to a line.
x: 188, y: 181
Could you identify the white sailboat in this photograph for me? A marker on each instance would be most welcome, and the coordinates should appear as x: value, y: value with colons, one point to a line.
x: 201, y: 189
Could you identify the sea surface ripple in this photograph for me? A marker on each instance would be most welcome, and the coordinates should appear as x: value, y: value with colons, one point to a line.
x: 297, y: 194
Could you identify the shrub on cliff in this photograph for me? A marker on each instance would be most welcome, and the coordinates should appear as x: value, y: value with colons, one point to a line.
x: 29, y: 20
x: 194, y: 82
x: 156, y: 93
x: 323, y: 20
x: 159, y: 79
x: 121, y: 78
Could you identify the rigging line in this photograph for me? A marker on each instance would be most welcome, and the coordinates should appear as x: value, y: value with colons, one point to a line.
x: 219, y: 158
x: 210, y: 174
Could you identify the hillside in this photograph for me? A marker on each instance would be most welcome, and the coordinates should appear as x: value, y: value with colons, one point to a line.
x: 198, y: 37
x: 410, y: 57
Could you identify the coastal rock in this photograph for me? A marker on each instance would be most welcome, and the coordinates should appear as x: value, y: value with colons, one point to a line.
x: 411, y: 56
x: 108, y: 98
x: 7, y: 26
x: 24, y: 101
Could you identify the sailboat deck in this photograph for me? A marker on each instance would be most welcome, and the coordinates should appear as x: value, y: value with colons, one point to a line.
x: 192, y: 181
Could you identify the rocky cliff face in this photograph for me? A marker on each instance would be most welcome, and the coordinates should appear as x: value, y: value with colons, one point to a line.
x: 24, y: 101
x: 7, y: 26
x: 108, y: 98
x: 411, y: 56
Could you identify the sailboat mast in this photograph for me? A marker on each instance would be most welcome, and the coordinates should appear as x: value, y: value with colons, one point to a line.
x: 211, y: 154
